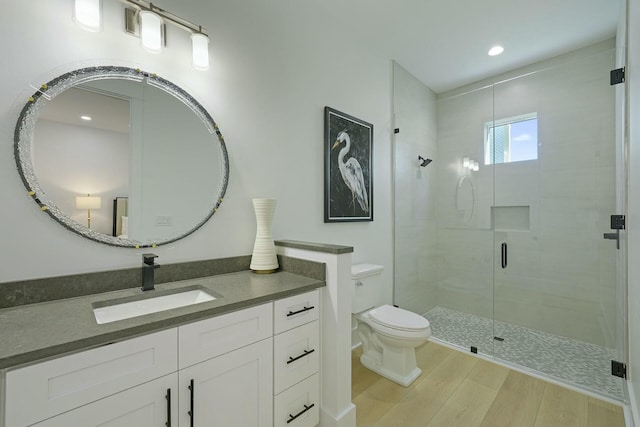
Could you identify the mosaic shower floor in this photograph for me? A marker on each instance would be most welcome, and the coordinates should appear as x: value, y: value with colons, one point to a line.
x: 578, y: 363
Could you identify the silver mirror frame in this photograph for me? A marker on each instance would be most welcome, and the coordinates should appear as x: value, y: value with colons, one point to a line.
x: 23, y: 137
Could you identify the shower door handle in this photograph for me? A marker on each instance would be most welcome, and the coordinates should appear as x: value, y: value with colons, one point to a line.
x: 504, y: 255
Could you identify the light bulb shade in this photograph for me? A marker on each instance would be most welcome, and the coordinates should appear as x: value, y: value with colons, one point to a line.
x: 465, y: 162
x: 200, y: 51
x: 88, y: 202
x: 151, y: 31
x: 476, y: 166
x: 87, y: 14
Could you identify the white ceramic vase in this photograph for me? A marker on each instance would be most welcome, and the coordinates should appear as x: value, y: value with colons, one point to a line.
x: 264, y: 259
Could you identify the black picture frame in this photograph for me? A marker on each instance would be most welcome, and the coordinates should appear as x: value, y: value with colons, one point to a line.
x: 348, y: 194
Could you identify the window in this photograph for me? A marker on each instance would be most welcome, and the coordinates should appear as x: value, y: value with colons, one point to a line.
x: 513, y: 139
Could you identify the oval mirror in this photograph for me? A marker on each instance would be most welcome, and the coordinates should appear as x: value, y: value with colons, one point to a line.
x: 121, y: 156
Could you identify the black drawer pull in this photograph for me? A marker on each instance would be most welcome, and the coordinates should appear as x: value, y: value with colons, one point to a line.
x: 306, y: 353
x: 191, y: 412
x: 168, y: 397
x: 503, y: 262
x: 306, y: 408
x: 293, y: 313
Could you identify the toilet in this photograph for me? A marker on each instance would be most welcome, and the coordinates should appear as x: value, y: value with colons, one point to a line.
x: 389, y: 334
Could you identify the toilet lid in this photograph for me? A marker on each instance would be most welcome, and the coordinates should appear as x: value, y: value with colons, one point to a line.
x: 397, y: 318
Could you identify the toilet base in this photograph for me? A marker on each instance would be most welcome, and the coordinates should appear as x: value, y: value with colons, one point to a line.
x: 371, y: 363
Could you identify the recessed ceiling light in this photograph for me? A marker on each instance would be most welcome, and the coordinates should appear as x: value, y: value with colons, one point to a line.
x: 496, y: 50
x: 87, y: 118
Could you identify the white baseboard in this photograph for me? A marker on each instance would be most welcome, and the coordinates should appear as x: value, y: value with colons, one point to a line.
x: 345, y: 419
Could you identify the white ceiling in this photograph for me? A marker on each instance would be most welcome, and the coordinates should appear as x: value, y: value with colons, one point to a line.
x: 444, y: 43
x: 106, y: 112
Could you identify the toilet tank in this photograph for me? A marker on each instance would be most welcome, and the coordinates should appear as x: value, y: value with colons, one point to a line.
x: 367, y: 286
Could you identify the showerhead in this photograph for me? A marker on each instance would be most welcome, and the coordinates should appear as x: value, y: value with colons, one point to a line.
x: 424, y: 162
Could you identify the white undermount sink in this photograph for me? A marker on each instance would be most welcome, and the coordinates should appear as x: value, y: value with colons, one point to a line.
x: 126, y: 310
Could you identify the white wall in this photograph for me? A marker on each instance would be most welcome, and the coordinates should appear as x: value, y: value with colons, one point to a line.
x: 633, y: 82
x: 415, y: 227
x: 270, y: 80
x: 73, y: 161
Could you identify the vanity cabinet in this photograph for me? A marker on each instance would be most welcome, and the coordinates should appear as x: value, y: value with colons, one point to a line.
x: 255, y: 367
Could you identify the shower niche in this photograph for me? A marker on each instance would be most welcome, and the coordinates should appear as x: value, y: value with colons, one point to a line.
x: 510, y: 218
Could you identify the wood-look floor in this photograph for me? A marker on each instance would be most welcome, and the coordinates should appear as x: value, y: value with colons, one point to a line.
x: 458, y: 389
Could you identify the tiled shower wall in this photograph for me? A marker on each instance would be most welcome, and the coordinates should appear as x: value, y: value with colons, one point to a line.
x: 415, y: 251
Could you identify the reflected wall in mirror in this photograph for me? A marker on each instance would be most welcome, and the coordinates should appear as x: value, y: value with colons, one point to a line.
x: 122, y: 134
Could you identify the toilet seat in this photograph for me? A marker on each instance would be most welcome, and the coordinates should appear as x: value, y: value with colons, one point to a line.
x: 398, y: 319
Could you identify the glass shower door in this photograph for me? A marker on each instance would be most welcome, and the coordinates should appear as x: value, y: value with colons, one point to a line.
x: 464, y: 313
x: 552, y: 151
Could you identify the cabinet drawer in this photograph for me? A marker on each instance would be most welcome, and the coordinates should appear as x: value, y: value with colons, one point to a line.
x: 296, y: 355
x: 212, y: 337
x: 49, y: 388
x: 298, y: 406
x: 295, y: 311
x: 147, y: 405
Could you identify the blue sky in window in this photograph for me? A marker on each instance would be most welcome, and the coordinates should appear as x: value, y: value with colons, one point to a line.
x: 524, y: 140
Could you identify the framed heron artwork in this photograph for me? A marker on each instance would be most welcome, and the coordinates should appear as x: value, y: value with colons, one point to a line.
x: 348, y: 171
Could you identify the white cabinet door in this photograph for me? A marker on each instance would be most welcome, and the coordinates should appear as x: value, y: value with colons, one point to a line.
x: 231, y: 390
x: 147, y: 405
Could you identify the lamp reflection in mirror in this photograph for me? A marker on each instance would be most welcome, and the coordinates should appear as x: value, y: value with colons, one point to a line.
x: 87, y: 14
x: 200, y: 51
x: 151, y: 31
x: 88, y: 202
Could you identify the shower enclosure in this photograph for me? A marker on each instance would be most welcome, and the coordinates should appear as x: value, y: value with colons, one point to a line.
x: 499, y: 242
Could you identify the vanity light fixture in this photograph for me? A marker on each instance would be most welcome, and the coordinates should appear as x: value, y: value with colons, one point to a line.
x: 87, y: 14
x: 146, y: 20
x: 200, y: 51
x: 88, y: 202
x: 151, y: 31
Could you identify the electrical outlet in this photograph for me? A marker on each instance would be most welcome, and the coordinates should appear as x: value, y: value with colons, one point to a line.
x: 164, y: 220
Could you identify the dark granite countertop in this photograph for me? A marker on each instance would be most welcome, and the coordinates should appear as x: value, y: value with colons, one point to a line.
x: 316, y: 247
x: 29, y: 333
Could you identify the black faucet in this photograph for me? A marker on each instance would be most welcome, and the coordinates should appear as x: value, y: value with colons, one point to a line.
x: 147, y: 271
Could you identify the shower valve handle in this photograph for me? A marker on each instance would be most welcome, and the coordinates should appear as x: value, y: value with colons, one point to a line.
x: 614, y: 236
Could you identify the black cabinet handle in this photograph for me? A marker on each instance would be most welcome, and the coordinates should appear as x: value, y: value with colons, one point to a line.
x: 504, y: 255
x: 293, y: 313
x: 191, y: 414
x: 306, y: 408
x: 306, y: 353
x: 168, y: 397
